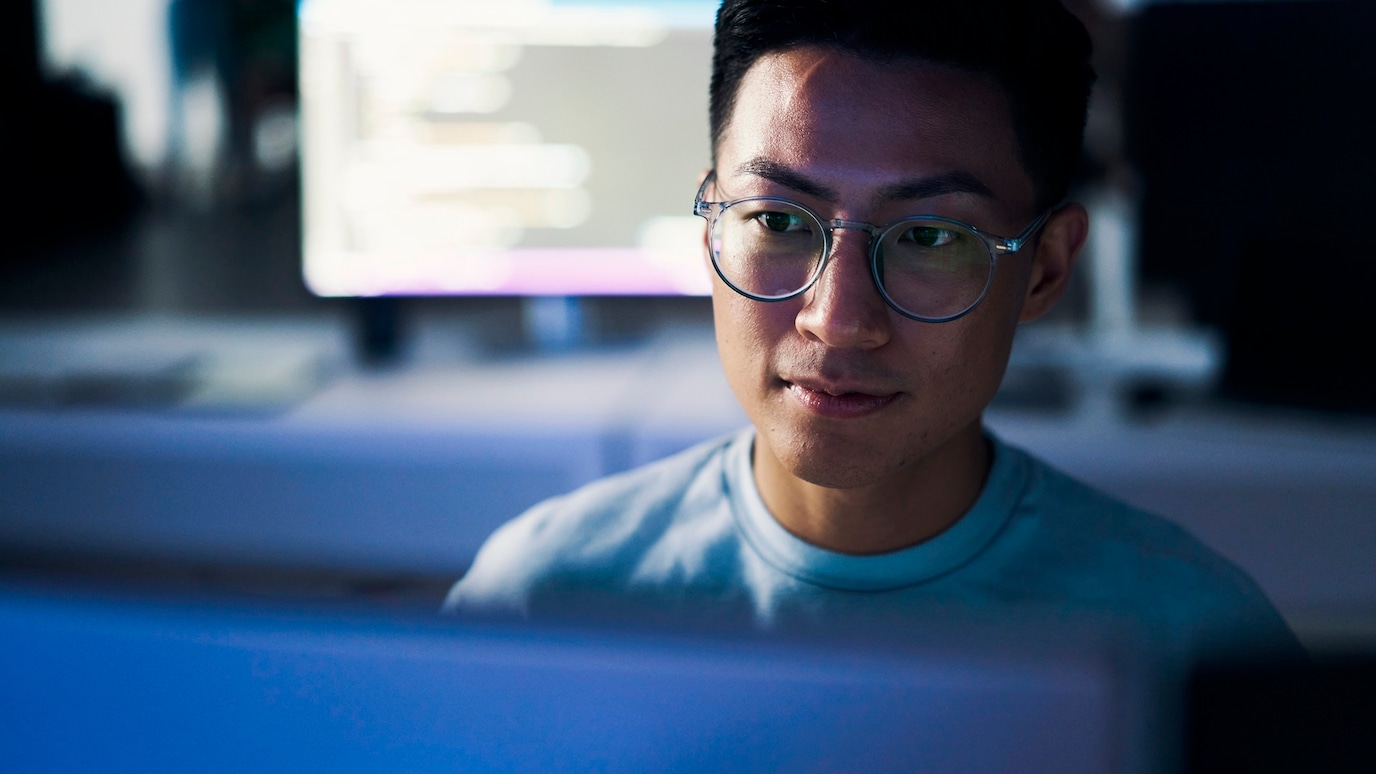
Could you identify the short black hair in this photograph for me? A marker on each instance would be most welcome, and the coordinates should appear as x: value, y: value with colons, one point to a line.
x: 1035, y: 50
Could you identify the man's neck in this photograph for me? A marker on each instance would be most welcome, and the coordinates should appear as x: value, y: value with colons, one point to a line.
x: 907, y: 507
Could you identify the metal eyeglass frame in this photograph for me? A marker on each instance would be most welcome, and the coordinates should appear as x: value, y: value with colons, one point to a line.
x: 996, y: 245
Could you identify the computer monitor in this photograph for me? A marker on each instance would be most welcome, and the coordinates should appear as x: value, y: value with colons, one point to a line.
x: 90, y: 683
x: 518, y: 148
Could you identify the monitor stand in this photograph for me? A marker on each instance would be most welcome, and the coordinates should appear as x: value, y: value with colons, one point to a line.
x: 555, y: 323
x: 551, y: 324
x: 379, y: 330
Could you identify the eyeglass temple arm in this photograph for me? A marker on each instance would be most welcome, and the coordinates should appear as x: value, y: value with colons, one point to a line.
x: 700, y: 207
x: 1005, y: 246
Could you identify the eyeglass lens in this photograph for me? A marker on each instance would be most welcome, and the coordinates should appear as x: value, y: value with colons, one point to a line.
x: 928, y: 268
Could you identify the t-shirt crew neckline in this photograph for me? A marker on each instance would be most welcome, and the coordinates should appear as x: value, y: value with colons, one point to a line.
x: 925, y: 561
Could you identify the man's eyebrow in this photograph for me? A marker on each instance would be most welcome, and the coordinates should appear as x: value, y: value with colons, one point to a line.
x: 956, y: 181
x: 775, y: 172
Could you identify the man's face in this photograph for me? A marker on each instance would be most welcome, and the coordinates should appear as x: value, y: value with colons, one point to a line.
x: 844, y: 391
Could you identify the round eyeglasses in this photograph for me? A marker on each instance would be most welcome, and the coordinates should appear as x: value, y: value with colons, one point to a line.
x: 927, y: 268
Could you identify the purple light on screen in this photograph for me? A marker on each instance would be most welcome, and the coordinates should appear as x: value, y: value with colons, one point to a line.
x: 606, y: 271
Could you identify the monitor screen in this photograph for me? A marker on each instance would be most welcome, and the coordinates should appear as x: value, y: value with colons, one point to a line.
x: 527, y: 147
x: 92, y: 684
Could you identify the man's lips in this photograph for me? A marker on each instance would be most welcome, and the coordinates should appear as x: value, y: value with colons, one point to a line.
x: 838, y: 401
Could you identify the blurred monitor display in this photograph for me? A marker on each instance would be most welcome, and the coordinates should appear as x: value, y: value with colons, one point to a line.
x: 527, y: 147
x: 94, y: 684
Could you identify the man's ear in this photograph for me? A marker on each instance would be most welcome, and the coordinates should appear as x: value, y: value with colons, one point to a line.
x: 706, y: 237
x: 1058, y: 246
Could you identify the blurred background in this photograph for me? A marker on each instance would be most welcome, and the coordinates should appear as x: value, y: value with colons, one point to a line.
x: 302, y: 301
x: 298, y: 302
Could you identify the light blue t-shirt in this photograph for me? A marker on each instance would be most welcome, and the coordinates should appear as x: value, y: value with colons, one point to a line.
x: 690, y: 536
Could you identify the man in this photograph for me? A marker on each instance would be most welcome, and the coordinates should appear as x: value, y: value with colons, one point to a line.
x: 866, y: 155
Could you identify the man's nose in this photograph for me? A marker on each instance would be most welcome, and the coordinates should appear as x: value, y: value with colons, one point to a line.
x: 844, y: 309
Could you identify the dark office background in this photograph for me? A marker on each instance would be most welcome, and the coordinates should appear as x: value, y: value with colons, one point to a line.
x: 86, y: 227
x: 1247, y: 127
x: 1250, y: 126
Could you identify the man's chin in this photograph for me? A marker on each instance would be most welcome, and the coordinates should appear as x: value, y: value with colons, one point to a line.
x: 849, y: 478
x: 835, y: 465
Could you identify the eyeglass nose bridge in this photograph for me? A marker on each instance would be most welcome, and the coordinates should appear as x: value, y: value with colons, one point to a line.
x: 832, y: 226
x: 858, y: 225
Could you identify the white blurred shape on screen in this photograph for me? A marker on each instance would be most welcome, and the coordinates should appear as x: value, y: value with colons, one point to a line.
x: 514, y: 148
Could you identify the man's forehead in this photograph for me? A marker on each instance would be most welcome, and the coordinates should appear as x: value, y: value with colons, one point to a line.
x: 804, y: 117
x: 904, y: 90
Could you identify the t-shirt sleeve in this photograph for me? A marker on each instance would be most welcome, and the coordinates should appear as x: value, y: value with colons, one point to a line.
x: 1091, y: 547
x: 575, y: 551
x: 1242, y: 621
x: 500, y: 580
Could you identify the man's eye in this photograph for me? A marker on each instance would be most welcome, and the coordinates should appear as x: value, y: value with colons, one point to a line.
x: 928, y: 236
x: 781, y: 221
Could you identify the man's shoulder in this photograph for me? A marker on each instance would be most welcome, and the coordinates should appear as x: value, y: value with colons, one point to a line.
x: 636, y: 498
x: 598, y: 532
x: 1075, y: 514
x: 1127, y: 556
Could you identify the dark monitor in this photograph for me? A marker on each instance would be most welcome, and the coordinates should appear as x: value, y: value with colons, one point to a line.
x: 1250, y: 126
x: 93, y: 684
